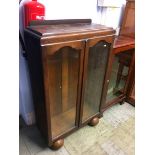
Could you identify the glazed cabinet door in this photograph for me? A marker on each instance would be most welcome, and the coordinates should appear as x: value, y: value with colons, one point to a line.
x: 95, y: 65
x: 63, y: 65
x: 119, y: 77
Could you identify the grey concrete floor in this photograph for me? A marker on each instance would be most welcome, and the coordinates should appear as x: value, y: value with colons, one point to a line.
x: 114, y: 135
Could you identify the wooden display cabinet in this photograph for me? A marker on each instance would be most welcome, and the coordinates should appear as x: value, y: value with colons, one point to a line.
x: 68, y: 61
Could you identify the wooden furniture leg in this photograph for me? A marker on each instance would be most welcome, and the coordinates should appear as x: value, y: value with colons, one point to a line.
x: 122, y: 102
x: 94, y: 121
x: 57, y: 144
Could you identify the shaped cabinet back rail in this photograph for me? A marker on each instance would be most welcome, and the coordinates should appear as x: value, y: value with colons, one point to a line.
x: 68, y: 62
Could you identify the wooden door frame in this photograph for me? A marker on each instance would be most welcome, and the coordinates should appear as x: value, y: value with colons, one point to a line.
x: 50, y: 49
x: 90, y: 43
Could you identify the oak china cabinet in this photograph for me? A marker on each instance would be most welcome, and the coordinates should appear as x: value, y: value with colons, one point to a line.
x: 120, y: 77
x: 68, y: 61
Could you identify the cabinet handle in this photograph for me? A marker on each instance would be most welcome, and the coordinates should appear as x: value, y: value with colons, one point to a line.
x: 107, y: 81
x: 105, y: 45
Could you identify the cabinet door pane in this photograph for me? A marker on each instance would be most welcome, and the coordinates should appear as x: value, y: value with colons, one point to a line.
x: 96, y: 67
x: 63, y: 73
x: 119, y: 75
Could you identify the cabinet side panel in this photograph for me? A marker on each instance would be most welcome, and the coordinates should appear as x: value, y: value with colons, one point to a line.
x: 34, y: 57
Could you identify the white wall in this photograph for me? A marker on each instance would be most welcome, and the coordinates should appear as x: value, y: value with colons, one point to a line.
x: 68, y: 9
x: 25, y: 96
x: 61, y: 9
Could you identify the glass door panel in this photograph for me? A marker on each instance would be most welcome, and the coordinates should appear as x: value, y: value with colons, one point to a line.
x: 96, y: 67
x: 63, y: 73
x: 119, y: 75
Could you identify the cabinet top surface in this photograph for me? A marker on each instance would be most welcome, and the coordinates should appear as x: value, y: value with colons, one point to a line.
x: 61, y: 29
x: 121, y: 41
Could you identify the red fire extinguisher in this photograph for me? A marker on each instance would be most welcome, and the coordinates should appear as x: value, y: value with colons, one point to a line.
x: 33, y: 10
